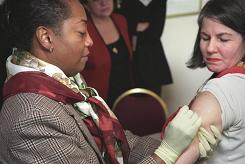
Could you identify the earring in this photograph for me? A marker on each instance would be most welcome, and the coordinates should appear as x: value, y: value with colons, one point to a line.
x: 51, y: 49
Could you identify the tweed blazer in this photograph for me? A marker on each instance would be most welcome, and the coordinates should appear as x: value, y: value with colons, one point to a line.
x: 36, y: 129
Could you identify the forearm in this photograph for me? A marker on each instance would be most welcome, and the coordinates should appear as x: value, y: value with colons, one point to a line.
x: 178, y: 135
x: 141, y: 148
x: 190, y: 155
x: 136, y: 144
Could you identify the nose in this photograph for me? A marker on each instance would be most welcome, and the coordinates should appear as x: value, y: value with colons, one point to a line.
x: 103, y: 2
x: 89, y: 41
x: 212, y: 46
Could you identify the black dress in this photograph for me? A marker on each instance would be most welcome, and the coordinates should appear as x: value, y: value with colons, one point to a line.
x: 151, y: 69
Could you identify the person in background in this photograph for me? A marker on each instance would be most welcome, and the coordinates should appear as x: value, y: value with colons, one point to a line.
x: 109, y: 66
x: 4, y: 52
x: 49, y: 115
x: 146, y: 19
x: 3, y: 67
x: 220, y: 46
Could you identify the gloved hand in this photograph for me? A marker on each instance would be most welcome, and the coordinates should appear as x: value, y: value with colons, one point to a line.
x: 178, y: 135
x: 207, y: 141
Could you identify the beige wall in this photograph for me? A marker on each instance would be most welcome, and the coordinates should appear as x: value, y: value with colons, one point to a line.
x: 178, y: 41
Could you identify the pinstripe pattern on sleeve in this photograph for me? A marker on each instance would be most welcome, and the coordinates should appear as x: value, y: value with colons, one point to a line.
x: 141, y: 148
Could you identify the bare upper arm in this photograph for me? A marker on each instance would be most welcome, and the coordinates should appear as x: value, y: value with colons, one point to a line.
x: 208, y: 108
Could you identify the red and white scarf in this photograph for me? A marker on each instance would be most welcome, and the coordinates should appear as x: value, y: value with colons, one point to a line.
x: 27, y: 70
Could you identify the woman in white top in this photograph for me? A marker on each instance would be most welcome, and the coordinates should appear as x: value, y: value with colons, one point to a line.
x: 220, y: 46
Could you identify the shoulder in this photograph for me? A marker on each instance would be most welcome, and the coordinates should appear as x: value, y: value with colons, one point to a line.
x: 30, y: 101
x: 30, y: 106
x: 36, y: 114
x: 229, y: 80
x: 117, y: 15
x: 119, y: 18
x: 229, y: 90
x: 221, y: 100
x: 208, y: 108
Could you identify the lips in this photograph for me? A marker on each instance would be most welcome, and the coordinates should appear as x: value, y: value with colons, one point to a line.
x: 84, y: 58
x: 213, y: 60
x: 105, y: 9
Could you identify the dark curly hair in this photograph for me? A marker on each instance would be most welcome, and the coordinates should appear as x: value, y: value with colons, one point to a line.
x: 20, y: 19
x: 230, y: 13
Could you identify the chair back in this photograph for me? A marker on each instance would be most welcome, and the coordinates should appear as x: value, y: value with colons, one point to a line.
x: 141, y: 111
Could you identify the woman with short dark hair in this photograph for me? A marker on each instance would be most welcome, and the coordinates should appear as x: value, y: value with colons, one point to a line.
x: 220, y: 46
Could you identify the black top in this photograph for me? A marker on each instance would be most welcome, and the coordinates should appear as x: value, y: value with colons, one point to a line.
x: 120, y: 70
x: 5, y: 51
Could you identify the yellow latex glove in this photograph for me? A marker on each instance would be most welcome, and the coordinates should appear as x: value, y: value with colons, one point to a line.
x: 207, y: 141
x: 178, y: 135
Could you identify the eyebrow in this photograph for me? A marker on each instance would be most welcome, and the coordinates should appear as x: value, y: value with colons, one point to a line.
x: 224, y: 33
x: 82, y: 20
x: 219, y: 35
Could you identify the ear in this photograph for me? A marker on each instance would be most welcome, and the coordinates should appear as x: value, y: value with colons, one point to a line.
x: 45, y: 37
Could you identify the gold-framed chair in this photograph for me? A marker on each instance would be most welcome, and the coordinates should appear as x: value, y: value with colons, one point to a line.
x: 141, y: 111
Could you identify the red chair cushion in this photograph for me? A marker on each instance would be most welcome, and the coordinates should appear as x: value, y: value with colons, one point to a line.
x: 142, y: 114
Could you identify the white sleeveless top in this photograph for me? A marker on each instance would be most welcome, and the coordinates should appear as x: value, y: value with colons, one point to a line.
x: 230, y: 93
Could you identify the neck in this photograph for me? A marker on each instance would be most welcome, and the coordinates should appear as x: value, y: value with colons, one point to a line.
x: 100, y: 20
